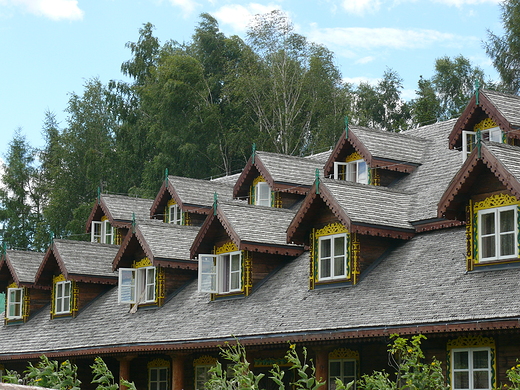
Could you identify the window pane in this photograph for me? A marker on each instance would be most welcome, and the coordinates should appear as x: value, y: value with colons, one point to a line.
x: 488, y: 246
x: 481, y: 379
x: 235, y: 262
x: 163, y: 386
x: 325, y: 268
x: 362, y: 172
x: 351, y: 171
x: 488, y: 223
x: 507, y: 221
x: 339, y: 245
x: 480, y: 359
x: 461, y: 380
x: 507, y: 244
x: 325, y: 248
x: 153, y: 374
x: 235, y: 281
x: 334, y: 369
x: 349, y: 369
x: 162, y: 374
x: 339, y: 266
x: 460, y: 360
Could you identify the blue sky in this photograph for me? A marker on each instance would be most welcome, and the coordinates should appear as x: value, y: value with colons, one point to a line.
x: 49, y: 48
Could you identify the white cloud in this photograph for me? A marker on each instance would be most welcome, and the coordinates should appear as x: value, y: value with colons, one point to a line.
x: 365, y: 60
x: 360, y: 7
x: 372, y: 38
x: 52, y: 9
x: 239, y: 16
x: 460, y: 3
x: 187, y: 6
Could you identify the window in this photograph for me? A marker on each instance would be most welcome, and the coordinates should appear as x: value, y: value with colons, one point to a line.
x: 202, y: 375
x: 497, y: 232
x: 14, y: 303
x: 137, y: 285
x: 62, y: 297
x: 220, y: 273
x: 469, y: 139
x: 355, y: 171
x: 158, y: 378
x: 102, y: 232
x: 175, y: 214
x: 471, y: 368
x: 332, y: 257
x: 262, y: 194
x: 343, y: 369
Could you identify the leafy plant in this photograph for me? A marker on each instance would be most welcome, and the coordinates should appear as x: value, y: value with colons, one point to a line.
x: 104, y: 377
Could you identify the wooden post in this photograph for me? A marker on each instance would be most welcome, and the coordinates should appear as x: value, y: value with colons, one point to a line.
x: 124, y: 369
x: 178, y: 371
x: 322, y: 366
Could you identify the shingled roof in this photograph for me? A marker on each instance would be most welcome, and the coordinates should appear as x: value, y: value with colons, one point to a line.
x: 22, y: 265
x: 163, y: 243
x: 386, y: 300
x: 79, y: 260
x: 120, y: 209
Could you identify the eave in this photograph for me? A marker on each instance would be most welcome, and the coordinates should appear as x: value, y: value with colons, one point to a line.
x: 281, y: 340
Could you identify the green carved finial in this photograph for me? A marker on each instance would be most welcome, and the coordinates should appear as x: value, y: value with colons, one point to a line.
x: 253, y: 153
x: 52, y: 238
x: 477, y: 87
x: 99, y: 194
x: 215, y: 201
x: 4, y: 248
x: 133, y: 222
x: 166, y: 175
x: 346, y: 126
x: 317, y: 181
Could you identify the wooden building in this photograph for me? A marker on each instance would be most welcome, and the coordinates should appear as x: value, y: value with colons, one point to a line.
x: 409, y: 233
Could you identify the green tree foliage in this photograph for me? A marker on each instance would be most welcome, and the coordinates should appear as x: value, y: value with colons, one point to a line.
x: 80, y: 159
x: 238, y: 374
x: 411, y: 370
x: 381, y: 105
x: 21, y: 199
x: 426, y: 108
x: 504, y: 50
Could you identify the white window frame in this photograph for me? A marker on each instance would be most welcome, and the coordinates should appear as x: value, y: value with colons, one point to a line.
x: 220, y: 274
x: 260, y: 189
x: 469, y: 139
x: 137, y: 285
x: 16, y: 303
x: 351, y: 171
x: 174, y: 214
x: 204, y: 370
x: 497, y: 234
x: 471, y: 370
x: 331, y: 257
x: 62, y: 300
x: 158, y: 381
x: 343, y: 377
x: 102, y: 232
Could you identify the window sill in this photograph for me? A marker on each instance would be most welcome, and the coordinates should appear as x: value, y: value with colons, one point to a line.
x: 332, y: 284
x: 494, y: 265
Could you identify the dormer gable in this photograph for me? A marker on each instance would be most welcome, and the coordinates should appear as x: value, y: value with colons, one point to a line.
x: 76, y: 272
x: 17, y: 277
x: 348, y: 227
x: 495, y: 115
x: 376, y: 157
x: 187, y: 201
x: 485, y: 193
x: 239, y: 245
x: 153, y: 262
x: 276, y: 180
x: 112, y: 216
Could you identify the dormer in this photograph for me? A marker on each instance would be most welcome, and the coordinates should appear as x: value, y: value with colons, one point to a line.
x: 489, y: 116
x: 485, y: 193
x: 348, y: 228
x: 239, y: 245
x: 185, y: 201
x: 76, y: 272
x: 112, y: 216
x: 276, y: 180
x: 17, y: 275
x: 375, y: 157
x: 154, y: 262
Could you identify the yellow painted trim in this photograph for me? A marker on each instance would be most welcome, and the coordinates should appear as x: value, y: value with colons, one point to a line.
x: 158, y: 363
x: 104, y: 218
x: 496, y: 201
x: 205, y: 361
x: 344, y: 353
x: 171, y: 202
x: 485, y: 124
x: 258, y: 180
x: 228, y: 247
x: 333, y: 228
x: 13, y: 285
x: 59, y: 278
x: 353, y: 157
x: 144, y: 262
